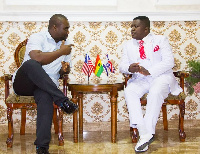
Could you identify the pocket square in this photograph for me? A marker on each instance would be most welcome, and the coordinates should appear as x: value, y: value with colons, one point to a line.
x: 156, y: 48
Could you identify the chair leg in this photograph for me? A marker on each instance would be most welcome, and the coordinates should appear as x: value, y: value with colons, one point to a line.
x: 164, y: 111
x: 134, y: 135
x: 60, y: 128
x: 23, y: 121
x: 55, y: 120
x: 9, y: 141
x: 182, y: 134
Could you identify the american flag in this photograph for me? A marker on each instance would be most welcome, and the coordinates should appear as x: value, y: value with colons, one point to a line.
x: 88, y: 67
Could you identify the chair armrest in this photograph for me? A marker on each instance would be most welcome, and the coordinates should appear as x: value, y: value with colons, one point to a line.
x: 176, y: 74
x: 6, y: 78
x: 127, y: 77
x: 181, y: 75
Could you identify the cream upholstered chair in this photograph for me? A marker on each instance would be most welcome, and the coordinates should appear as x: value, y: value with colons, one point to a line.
x: 24, y: 103
x: 171, y: 99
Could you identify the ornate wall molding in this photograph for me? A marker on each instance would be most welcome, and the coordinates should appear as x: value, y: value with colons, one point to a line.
x: 101, y: 16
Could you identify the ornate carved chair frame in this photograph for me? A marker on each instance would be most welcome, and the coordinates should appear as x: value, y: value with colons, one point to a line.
x: 171, y: 99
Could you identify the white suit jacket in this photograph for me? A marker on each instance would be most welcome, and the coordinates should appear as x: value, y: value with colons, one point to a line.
x: 162, y: 60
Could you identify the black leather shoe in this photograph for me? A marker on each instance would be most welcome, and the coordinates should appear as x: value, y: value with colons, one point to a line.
x: 69, y: 107
x: 42, y: 150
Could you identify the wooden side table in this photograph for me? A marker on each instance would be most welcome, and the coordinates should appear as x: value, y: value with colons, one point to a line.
x: 77, y: 90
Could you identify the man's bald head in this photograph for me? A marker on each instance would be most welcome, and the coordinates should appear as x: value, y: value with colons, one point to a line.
x: 56, y: 20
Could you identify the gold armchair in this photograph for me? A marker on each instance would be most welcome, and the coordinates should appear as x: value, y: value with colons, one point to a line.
x: 24, y: 103
x: 171, y: 99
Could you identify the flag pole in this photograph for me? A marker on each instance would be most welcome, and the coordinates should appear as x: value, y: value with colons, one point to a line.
x: 88, y: 69
x: 88, y: 75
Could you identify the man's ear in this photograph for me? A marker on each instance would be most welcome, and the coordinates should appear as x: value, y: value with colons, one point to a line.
x: 54, y: 27
x: 147, y: 29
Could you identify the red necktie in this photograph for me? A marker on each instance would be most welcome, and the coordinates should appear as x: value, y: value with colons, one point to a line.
x: 141, y: 49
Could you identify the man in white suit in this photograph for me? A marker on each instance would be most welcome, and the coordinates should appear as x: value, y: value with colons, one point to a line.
x: 150, y: 64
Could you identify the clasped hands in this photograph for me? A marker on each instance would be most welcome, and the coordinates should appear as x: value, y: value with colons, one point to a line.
x: 135, y: 67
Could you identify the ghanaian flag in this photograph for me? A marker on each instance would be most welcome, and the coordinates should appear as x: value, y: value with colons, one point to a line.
x: 98, y: 68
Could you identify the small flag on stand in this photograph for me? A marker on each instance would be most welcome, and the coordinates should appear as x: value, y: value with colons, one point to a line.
x: 108, y: 65
x: 98, y: 68
x: 88, y: 67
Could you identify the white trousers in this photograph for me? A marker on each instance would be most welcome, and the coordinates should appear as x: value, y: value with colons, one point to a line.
x: 158, y: 90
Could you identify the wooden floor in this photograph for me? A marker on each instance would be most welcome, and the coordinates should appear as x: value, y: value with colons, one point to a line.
x: 98, y: 142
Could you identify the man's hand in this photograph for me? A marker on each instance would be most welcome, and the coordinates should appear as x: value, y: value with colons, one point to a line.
x: 133, y: 68
x: 65, y: 68
x: 66, y: 49
x: 143, y: 71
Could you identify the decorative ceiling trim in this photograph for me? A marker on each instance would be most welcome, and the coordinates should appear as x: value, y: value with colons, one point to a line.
x: 100, y: 16
x: 62, y: 2
x: 177, y: 2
